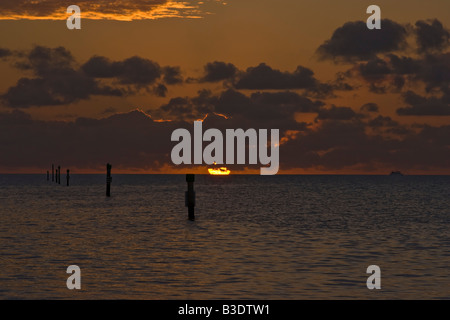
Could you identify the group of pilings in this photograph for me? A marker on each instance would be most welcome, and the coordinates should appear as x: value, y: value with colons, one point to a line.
x: 189, y: 195
x: 56, y: 176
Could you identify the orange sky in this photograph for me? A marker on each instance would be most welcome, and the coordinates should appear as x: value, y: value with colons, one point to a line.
x: 283, y: 34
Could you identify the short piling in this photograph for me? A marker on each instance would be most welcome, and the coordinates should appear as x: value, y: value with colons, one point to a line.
x: 53, y: 172
x: 59, y: 175
x: 108, y: 180
x: 68, y: 177
x: 190, y: 196
x: 48, y: 175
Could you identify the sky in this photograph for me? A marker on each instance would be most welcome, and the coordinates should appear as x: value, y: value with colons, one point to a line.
x: 347, y: 100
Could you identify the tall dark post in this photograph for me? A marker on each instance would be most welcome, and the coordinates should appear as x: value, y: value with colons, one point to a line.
x: 56, y: 175
x: 68, y: 177
x: 48, y: 176
x: 59, y: 174
x: 108, y: 180
x: 53, y: 172
x: 190, y: 196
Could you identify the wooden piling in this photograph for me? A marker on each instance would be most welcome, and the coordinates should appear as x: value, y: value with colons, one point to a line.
x: 59, y: 174
x: 48, y: 175
x: 190, y: 196
x: 68, y: 177
x: 53, y: 172
x: 108, y: 180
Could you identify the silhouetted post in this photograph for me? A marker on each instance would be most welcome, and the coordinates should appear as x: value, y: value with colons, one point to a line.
x: 53, y: 172
x: 48, y: 176
x: 56, y: 175
x: 68, y: 177
x: 59, y: 174
x: 190, y: 196
x: 108, y: 180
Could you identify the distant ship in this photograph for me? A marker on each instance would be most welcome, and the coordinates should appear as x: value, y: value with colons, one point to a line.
x: 216, y: 171
x: 396, y: 173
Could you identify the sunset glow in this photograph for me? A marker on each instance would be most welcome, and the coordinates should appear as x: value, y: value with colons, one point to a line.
x: 219, y: 172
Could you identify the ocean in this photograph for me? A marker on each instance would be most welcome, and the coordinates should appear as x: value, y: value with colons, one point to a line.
x: 254, y: 237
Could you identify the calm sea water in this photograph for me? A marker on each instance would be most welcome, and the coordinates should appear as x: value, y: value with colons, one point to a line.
x: 281, y: 237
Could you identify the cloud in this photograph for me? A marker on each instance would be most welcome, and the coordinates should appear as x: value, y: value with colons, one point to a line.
x: 135, y: 70
x: 122, y: 10
x: 354, y: 41
x: 54, y: 90
x: 58, y: 80
x: 187, y: 108
x: 219, y: 71
x: 422, y: 106
x: 264, y: 77
x: 263, y: 109
x: 382, y: 121
x: 394, y: 74
x: 336, y: 113
x: 431, y: 35
x: 374, y: 69
x: 5, y: 53
x: 370, y: 107
x: 16, y: 117
x: 172, y: 75
x: 134, y: 140
x: 129, y: 140
x: 44, y: 61
x: 340, y: 145
x: 425, y: 66
x: 435, y: 71
x: 109, y: 110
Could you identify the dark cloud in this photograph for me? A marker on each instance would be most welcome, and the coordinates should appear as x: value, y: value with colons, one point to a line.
x: 264, y: 107
x: 172, y: 75
x: 44, y: 61
x: 186, y: 108
x: 403, y: 65
x: 336, y: 113
x: 385, y: 71
x: 16, y: 117
x: 423, y: 106
x: 219, y: 71
x: 144, y: 143
x: 5, y: 53
x: 58, y: 80
x: 431, y: 35
x: 374, y: 69
x: 382, y: 121
x: 354, y: 41
x: 135, y: 70
x: 109, y: 110
x: 337, y: 145
x: 370, y: 107
x: 160, y: 90
x: 264, y: 77
x: 55, y: 90
x: 434, y: 71
x: 89, y: 143
x: 394, y: 73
